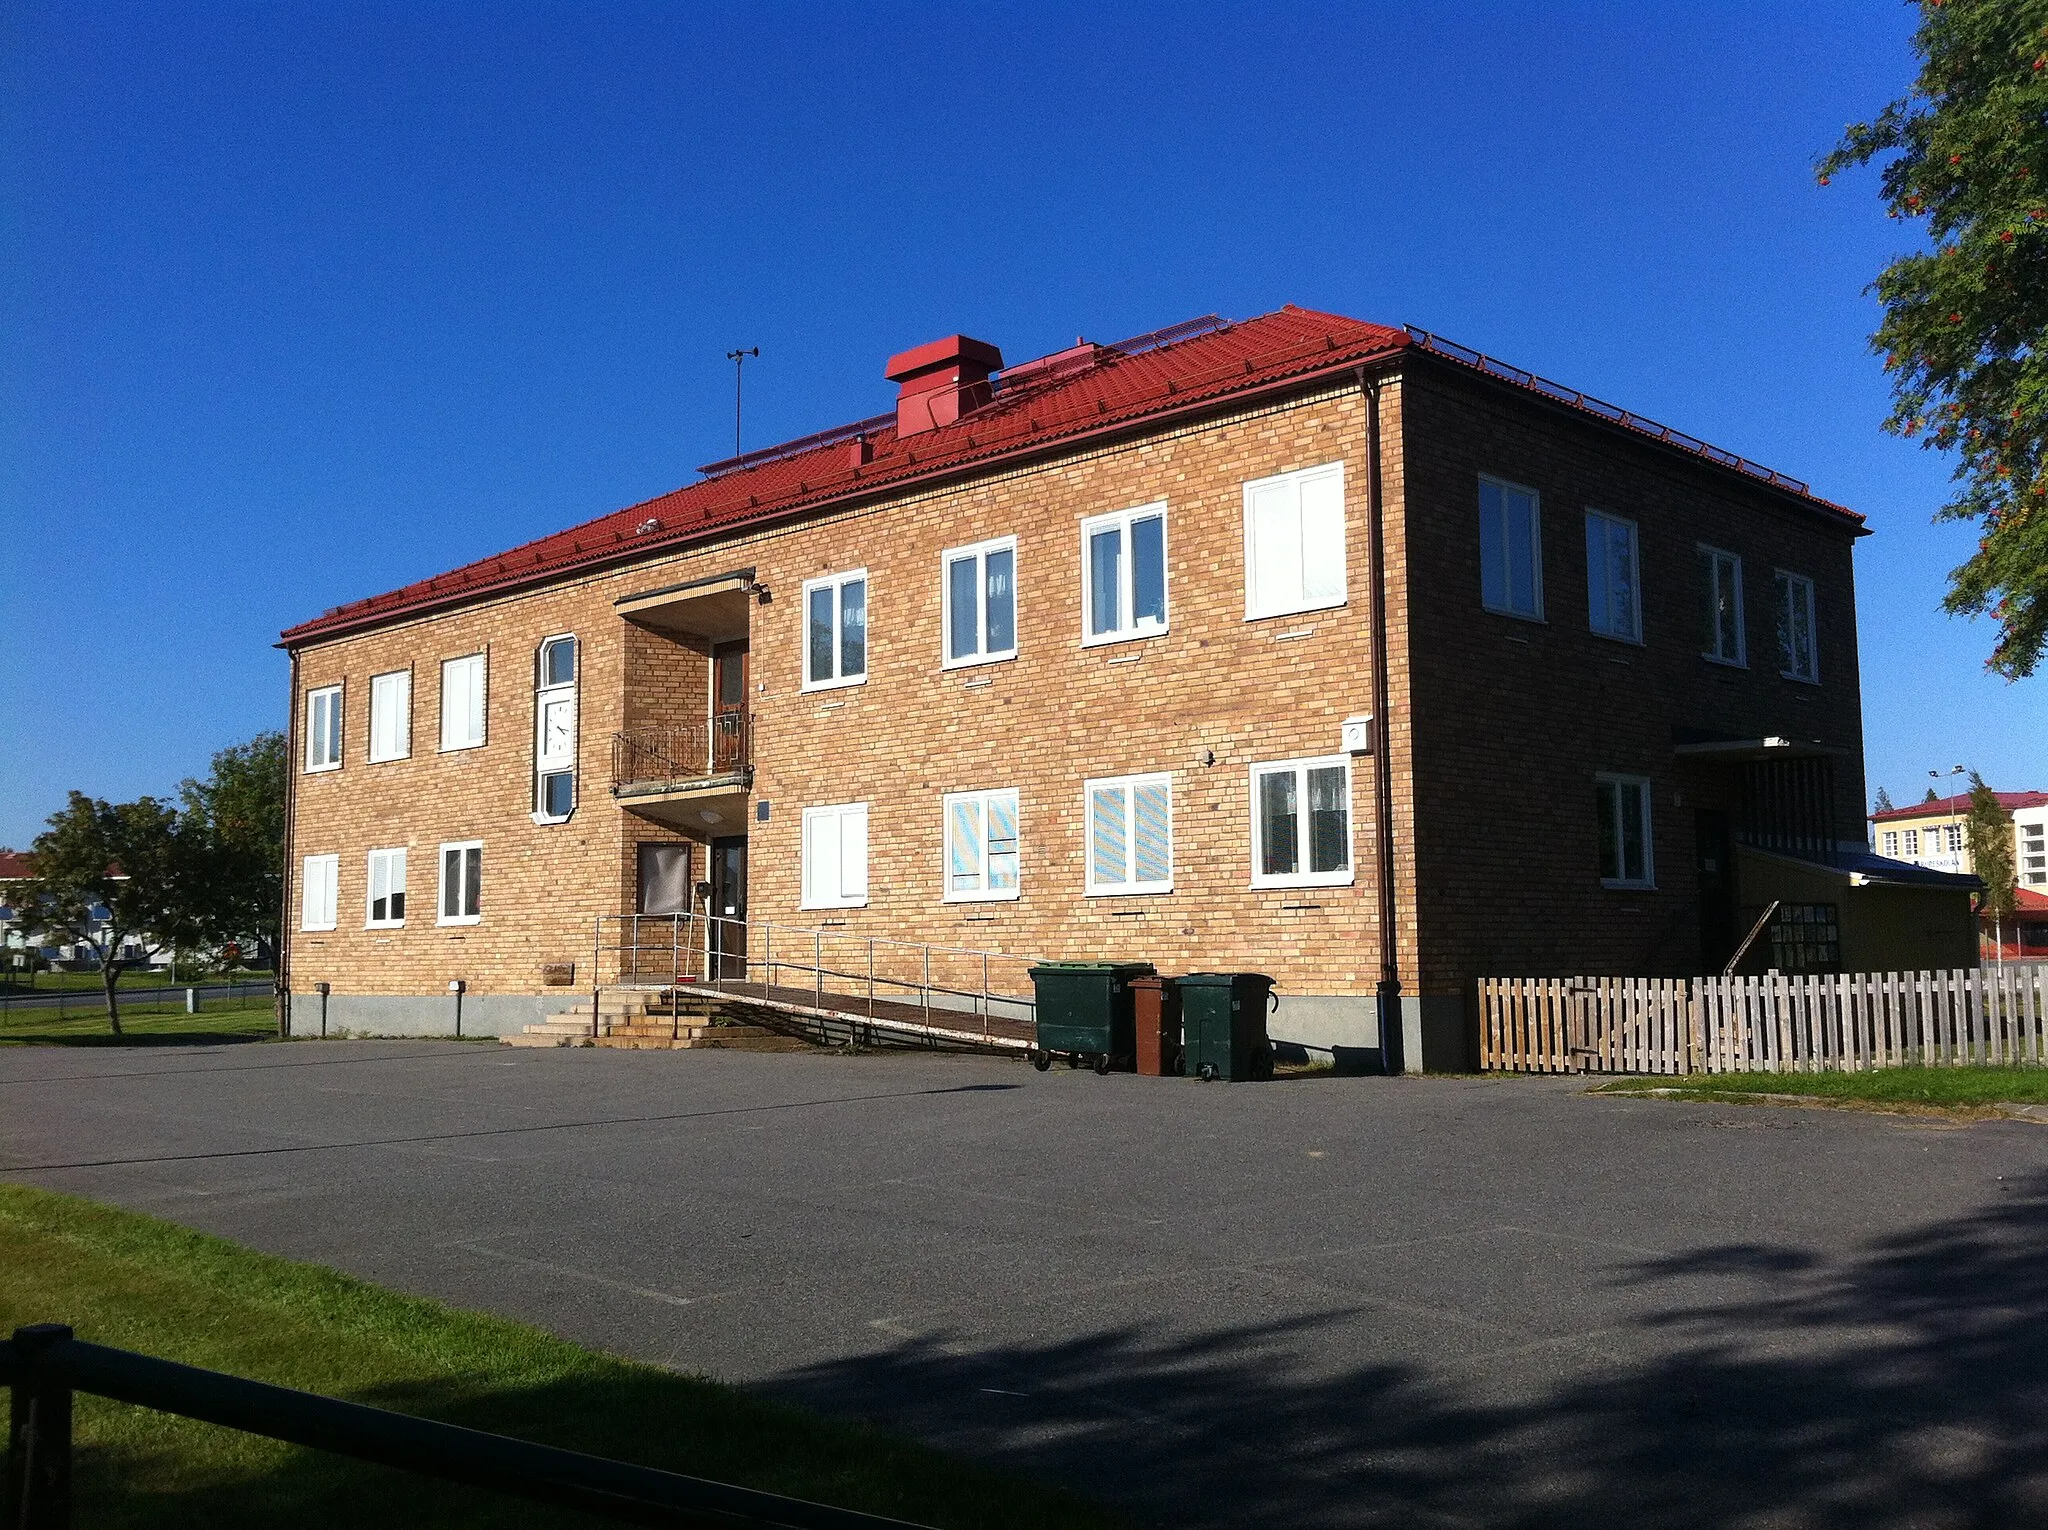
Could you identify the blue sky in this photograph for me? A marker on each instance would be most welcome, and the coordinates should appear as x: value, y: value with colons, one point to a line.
x: 303, y: 302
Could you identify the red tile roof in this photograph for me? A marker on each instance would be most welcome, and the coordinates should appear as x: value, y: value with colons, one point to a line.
x: 1960, y: 805
x: 15, y: 864
x: 1083, y: 391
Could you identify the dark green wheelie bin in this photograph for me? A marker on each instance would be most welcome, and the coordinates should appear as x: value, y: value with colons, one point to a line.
x: 1085, y: 1014
x: 1223, y: 1025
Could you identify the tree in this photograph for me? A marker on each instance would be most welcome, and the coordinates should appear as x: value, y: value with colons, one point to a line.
x: 1883, y: 803
x: 115, y: 878
x: 237, y: 817
x: 1965, y: 328
x: 1932, y: 795
x: 1991, y: 852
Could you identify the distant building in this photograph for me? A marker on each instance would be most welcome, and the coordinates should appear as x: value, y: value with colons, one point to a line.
x: 18, y: 939
x: 1935, y: 834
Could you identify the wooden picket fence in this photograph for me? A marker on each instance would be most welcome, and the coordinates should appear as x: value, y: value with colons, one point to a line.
x: 1775, y: 1023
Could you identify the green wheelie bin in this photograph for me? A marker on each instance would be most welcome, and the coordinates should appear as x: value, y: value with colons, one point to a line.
x: 1223, y: 1025
x: 1085, y: 1013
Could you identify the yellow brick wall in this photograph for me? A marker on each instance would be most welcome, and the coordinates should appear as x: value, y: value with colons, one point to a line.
x: 1057, y: 714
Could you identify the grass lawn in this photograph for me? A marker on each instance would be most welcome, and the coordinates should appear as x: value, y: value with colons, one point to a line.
x: 1950, y: 1087
x: 132, y: 1281
x: 157, y: 1024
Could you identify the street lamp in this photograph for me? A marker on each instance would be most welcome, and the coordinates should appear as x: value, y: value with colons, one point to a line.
x: 1955, y: 841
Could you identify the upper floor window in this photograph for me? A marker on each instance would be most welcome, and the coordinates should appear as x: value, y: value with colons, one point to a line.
x: 836, y: 630
x: 462, y: 869
x: 1301, y: 823
x: 1798, y: 657
x: 319, y: 888
x: 554, y: 730
x: 391, y: 715
x: 1613, y: 605
x: 981, y: 846
x: 387, y: 889
x: 1891, y: 841
x: 462, y: 702
x: 835, y: 856
x: 1130, y: 834
x: 1294, y: 542
x: 1624, y: 808
x: 1510, y: 549
x: 1721, y: 607
x: 980, y: 600
x: 1123, y: 575
x: 323, y: 728
x: 1912, y: 842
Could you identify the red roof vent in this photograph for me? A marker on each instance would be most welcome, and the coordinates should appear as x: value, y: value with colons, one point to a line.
x: 939, y: 382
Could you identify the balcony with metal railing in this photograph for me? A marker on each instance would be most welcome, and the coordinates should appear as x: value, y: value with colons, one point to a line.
x: 692, y: 776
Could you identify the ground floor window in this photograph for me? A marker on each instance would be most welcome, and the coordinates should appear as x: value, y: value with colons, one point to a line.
x: 1623, y: 803
x: 1130, y: 834
x: 319, y: 889
x: 981, y: 846
x: 836, y: 856
x: 462, y: 867
x: 387, y: 889
x: 1301, y: 823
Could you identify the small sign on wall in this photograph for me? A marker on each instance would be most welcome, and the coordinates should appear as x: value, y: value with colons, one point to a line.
x: 558, y: 974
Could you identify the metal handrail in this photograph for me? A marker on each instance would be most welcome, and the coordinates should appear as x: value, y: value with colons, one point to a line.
x: 45, y: 1365
x: 699, y: 951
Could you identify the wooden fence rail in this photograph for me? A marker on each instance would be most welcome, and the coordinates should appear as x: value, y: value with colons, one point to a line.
x: 1775, y: 1023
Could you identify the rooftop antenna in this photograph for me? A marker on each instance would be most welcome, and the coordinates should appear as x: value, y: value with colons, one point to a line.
x: 738, y: 360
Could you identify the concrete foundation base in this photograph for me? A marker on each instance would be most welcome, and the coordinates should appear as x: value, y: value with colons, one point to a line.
x: 1434, y: 1031
x: 483, y: 1014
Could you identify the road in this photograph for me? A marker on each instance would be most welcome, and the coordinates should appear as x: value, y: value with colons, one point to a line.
x: 1319, y: 1302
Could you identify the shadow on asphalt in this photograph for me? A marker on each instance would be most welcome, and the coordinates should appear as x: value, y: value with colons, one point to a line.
x: 30, y: 1038
x: 1906, y: 1385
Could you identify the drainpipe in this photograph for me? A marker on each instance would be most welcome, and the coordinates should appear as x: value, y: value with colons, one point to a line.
x: 1388, y: 993
x: 291, y: 816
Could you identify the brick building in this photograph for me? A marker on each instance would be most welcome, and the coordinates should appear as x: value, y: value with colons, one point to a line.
x: 1299, y: 644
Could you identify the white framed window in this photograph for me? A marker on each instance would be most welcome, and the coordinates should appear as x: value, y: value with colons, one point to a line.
x: 1798, y: 655
x: 1130, y: 834
x: 982, y: 858
x: 1301, y: 823
x: 1613, y: 603
x: 979, y: 599
x: 836, y: 856
x: 323, y: 728
x: 1954, y: 839
x: 1294, y: 542
x: 462, y: 869
x: 554, y: 730
x: 1721, y: 631
x: 463, y: 684
x: 2033, y: 854
x: 319, y: 892
x: 1123, y: 575
x: 1913, y: 842
x: 390, y: 716
x: 386, y: 895
x: 1510, y: 548
x: 1624, y: 807
x: 836, y: 630
x: 1891, y: 841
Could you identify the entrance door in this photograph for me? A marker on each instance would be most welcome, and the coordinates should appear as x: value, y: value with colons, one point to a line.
x: 1715, y: 856
x: 729, y: 708
x: 729, y: 906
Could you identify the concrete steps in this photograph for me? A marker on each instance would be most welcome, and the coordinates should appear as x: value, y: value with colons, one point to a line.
x: 659, y: 1022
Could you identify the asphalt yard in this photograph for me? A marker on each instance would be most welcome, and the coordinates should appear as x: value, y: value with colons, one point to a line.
x: 1315, y: 1302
